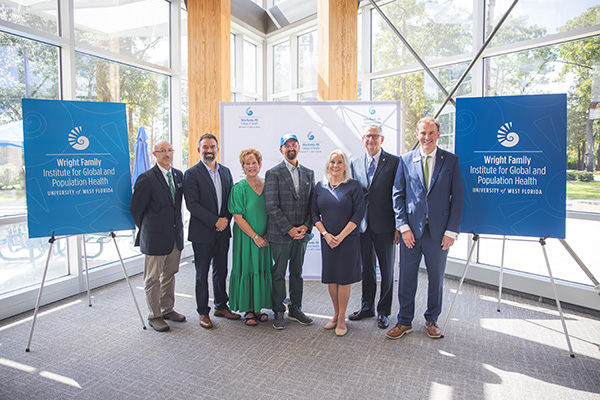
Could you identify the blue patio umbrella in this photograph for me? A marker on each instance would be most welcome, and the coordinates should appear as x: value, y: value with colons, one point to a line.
x: 11, y: 134
x: 141, y: 161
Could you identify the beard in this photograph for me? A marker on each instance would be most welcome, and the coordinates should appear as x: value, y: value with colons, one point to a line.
x: 208, y: 157
x: 291, y: 154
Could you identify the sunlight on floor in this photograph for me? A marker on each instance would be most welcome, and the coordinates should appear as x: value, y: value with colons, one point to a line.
x: 41, y: 314
x: 439, y: 391
x: 44, y: 374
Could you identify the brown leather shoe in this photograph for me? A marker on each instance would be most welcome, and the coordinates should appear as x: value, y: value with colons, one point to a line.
x: 227, y: 314
x: 398, y: 331
x: 433, y: 331
x: 205, y: 322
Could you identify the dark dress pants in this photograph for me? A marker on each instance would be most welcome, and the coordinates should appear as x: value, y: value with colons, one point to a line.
x: 380, y: 245
x: 204, y: 253
x: 435, y: 262
x: 284, y: 253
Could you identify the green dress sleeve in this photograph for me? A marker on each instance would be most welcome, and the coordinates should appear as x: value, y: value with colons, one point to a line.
x: 237, y: 199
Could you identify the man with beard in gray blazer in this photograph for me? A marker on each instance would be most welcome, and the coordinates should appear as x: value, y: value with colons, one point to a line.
x: 288, y: 192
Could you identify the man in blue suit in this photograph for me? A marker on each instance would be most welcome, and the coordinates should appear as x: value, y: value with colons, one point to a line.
x: 206, y: 186
x: 156, y: 210
x: 375, y: 171
x: 428, y: 200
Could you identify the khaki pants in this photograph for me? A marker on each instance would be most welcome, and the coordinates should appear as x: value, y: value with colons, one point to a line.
x: 159, y: 282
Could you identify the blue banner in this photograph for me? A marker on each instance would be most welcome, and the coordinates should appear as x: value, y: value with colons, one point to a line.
x: 512, y: 152
x: 77, y: 174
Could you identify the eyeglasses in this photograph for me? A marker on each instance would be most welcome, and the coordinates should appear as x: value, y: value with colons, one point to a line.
x: 170, y: 151
x: 374, y: 137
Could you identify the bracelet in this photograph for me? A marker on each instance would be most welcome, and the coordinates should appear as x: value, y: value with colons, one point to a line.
x: 255, y: 237
x: 325, y: 233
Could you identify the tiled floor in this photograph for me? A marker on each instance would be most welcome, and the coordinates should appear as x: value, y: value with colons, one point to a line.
x: 102, y: 352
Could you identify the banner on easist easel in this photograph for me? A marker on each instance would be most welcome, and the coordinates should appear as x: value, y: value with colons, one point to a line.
x: 76, y: 167
x: 512, y: 152
x: 320, y: 127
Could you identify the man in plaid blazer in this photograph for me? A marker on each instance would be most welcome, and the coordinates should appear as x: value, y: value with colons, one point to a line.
x: 288, y: 192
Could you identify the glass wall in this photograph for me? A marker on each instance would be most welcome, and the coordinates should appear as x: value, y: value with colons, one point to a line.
x: 549, y: 48
x: 293, y: 65
x: 122, y: 53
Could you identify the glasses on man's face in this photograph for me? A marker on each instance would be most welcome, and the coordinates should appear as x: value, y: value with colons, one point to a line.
x: 170, y: 151
x: 372, y: 137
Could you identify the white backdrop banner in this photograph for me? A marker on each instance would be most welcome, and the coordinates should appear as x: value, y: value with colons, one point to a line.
x: 320, y: 127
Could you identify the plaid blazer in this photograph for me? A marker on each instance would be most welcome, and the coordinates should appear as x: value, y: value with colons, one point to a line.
x: 285, y: 208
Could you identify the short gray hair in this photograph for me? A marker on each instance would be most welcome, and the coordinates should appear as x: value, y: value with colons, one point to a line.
x: 347, y: 173
x: 374, y: 126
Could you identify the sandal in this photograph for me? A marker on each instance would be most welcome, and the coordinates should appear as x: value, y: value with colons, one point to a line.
x: 250, y: 318
x: 262, y: 317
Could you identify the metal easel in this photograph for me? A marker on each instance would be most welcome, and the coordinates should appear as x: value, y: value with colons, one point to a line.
x: 542, y: 242
x: 39, y: 297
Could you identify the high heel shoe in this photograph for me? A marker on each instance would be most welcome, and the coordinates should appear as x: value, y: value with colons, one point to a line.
x: 330, y: 325
x: 340, y: 331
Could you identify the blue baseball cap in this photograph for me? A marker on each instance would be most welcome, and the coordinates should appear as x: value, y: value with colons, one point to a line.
x: 287, y: 137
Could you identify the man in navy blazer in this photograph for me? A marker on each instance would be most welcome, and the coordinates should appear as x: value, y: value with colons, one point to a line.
x: 206, y: 186
x: 375, y: 171
x: 428, y: 200
x: 156, y: 210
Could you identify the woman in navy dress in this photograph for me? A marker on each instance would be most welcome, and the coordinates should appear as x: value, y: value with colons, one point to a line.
x: 338, y: 206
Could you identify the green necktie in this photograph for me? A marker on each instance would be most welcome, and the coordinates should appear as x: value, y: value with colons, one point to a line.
x: 426, y: 172
x: 171, y: 185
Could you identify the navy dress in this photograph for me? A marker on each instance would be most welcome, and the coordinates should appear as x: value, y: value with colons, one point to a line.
x: 334, y: 207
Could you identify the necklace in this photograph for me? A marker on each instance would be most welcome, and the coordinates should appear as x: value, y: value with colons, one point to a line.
x: 333, y: 187
x: 255, y: 187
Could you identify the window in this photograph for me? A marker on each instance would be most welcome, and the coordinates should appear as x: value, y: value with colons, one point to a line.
x: 138, y: 29
x: 307, y: 60
x: 28, y: 69
x: 433, y: 28
x: 532, y: 19
x: 281, y: 67
x: 40, y: 15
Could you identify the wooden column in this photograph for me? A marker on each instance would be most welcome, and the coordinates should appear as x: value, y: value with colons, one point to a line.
x: 338, y: 49
x: 209, y: 71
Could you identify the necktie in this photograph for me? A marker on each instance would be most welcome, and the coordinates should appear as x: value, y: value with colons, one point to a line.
x: 371, y: 170
x: 426, y: 171
x: 171, y: 185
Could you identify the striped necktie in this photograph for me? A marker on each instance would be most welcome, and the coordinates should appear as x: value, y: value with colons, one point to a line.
x: 171, y: 186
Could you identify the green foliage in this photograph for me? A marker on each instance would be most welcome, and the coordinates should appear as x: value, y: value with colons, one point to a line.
x: 571, y: 175
x: 585, y: 176
x: 580, y: 59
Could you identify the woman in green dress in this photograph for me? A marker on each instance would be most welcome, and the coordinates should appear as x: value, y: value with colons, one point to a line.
x: 250, y: 279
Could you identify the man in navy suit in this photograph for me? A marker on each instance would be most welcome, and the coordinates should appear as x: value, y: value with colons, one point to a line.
x: 206, y: 186
x: 375, y: 171
x: 156, y: 210
x: 428, y: 200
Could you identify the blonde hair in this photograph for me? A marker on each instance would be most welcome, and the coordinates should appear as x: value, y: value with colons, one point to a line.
x: 246, y: 153
x: 347, y: 174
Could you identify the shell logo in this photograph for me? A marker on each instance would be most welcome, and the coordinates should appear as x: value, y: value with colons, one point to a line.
x: 507, y: 138
x: 77, y: 141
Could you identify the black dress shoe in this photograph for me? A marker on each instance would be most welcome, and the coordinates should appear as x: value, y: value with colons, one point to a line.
x: 383, y: 322
x: 358, y: 315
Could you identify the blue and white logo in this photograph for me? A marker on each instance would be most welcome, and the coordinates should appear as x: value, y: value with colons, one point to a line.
x: 249, y: 111
x: 76, y: 140
x: 372, y: 110
x: 310, y: 135
x: 507, y: 138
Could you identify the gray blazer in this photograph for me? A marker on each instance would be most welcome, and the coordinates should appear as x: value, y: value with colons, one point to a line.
x: 285, y: 208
